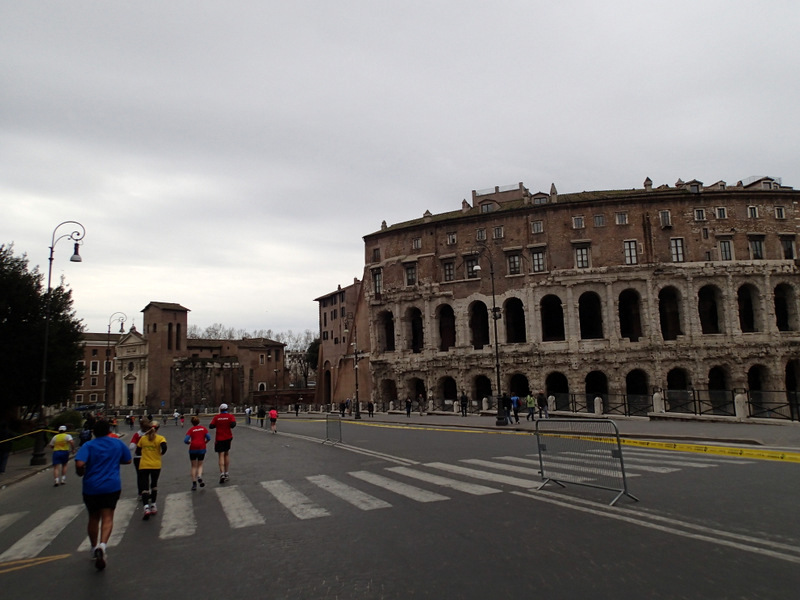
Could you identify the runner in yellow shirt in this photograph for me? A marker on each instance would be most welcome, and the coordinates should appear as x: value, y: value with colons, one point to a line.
x: 62, y: 444
x: 153, y: 447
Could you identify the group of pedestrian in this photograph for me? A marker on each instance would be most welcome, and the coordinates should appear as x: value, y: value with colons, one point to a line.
x: 98, y: 462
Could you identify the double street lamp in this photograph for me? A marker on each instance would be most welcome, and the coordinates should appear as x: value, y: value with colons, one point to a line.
x: 356, y: 358
x: 120, y: 317
x: 484, y: 251
x: 76, y: 236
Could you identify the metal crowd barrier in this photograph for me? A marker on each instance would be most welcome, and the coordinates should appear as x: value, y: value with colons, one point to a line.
x: 590, y: 448
x: 333, y: 429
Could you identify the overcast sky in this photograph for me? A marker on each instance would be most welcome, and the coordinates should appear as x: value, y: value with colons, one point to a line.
x: 229, y: 156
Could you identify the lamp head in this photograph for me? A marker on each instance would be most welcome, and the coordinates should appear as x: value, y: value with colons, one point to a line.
x: 76, y: 257
x: 477, y: 268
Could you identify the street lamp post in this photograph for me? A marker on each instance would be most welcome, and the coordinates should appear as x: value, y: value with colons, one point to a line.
x: 76, y: 236
x: 501, y: 419
x: 121, y: 317
x: 355, y: 372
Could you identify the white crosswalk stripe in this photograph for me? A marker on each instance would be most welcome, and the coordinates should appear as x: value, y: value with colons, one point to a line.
x: 6, y: 520
x: 470, y: 488
x: 38, y: 539
x: 347, y: 493
x: 485, y: 475
x: 566, y: 462
x: 398, y: 487
x: 670, y: 454
x: 298, y: 503
x: 237, y: 508
x: 627, y: 459
x: 178, y: 519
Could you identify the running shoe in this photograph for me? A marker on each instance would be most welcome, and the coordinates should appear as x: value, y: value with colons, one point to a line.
x: 146, y: 512
x: 201, y: 482
x: 153, y: 509
x: 99, y: 558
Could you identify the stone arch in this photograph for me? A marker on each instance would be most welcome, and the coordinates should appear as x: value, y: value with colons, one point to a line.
x: 414, y: 387
x: 514, y: 313
x: 414, y: 331
x: 630, y: 315
x: 596, y: 384
x: 478, y: 325
x: 552, y: 313
x: 518, y: 384
x: 719, y: 386
x: 446, y: 389
x: 710, y: 309
x: 669, y: 312
x: 590, y: 315
x: 482, y: 388
x: 637, y: 392
x: 785, y: 301
x: 556, y: 384
x: 326, y: 382
x: 384, y: 332
x: 750, y: 310
x: 388, y: 392
x: 791, y: 383
x: 678, y: 396
x: 447, y: 326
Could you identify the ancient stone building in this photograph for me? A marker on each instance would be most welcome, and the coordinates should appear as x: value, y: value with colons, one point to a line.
x: 688, y: 290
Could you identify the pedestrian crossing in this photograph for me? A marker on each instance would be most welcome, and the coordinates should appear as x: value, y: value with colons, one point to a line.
x: 322, y: 496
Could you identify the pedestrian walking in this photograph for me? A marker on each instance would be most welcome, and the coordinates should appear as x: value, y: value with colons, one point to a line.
x: 296, y: 409
x: 530, y: 404
x: 261, y: 416
x: 273, y: 420
x: 542, y: 403
x: 182, y: 420
x: 342, y: 408
x: 223, y: 423
x: 464, y: 401
x: 98, y: 463
x: 515, y: 407
x: 408, y: 406
x: 62, y: 445
x: 505, y: 402
x: 247, y: 412
x: 371, y: 408
x: 153, y: 447
x: 176, y: 415
x: 131, y: 422
x: 197, y: 437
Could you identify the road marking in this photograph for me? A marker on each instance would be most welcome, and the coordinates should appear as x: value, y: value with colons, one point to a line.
x: 6, y: 520
x: 38, y: 538
x: 485, y: 475
x: 238, y: 509
x: 461, y: 486
x: 300, y: 505
x: 709, y: 535
x: 669, y: 455
x: 349, y: 494
x: 398, y: 487
x: 122, y: 517
x: 178, y: 520
x: 29, y: 562
x: 594, y: 466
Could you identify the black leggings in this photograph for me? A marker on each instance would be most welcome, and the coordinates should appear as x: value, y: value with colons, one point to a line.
x: 147, y: 480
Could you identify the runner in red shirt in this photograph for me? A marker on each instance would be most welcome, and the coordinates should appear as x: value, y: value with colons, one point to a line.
x: 223, y: 423
x: 197, y: 437
x: 273, y: 420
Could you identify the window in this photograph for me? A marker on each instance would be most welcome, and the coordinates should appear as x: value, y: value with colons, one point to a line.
x: 94, y: 351
x: 416, y: 243
x: 699, y: 214
x: 376, y: 255
x: 449, y: 271
x: 665, y: 218
x: 513, y: 264
x: 722, y: 212
x: 539, y: 200
x: 487, y: 208
x: 757, y: 248
x: 582, y: 257
x: 341, y: 312
x: 631, y: 252
x: 498, y: 232
x: 599, y: 220
x: 451, y: 238
x: 93, y: 381
x: 538, y: 260
x: 577, y: 222
x: 261, y: 358
x: 470, y: 263
x: 324, y: 335
x: 780, y: 213
x: 480, y: 235
x: 705, y: 233
x: 377, y: 281
x: 752, y: 212
x: 107, y: 366
x: 676, y: 249
x: 621, y: 218
x: 411, y: 274
x: 725, y: 250
x: 537, y: 227
x: 94, y: 367
x: 787, y: 247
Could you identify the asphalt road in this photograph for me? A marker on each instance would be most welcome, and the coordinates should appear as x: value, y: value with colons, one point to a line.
x: 303, y: 519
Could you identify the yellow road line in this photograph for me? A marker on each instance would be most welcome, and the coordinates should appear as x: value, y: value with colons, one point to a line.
x: 16, y: 565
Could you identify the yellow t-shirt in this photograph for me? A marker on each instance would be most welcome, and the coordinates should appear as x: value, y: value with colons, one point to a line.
x: 61, y: 441
x: 151, y: 451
